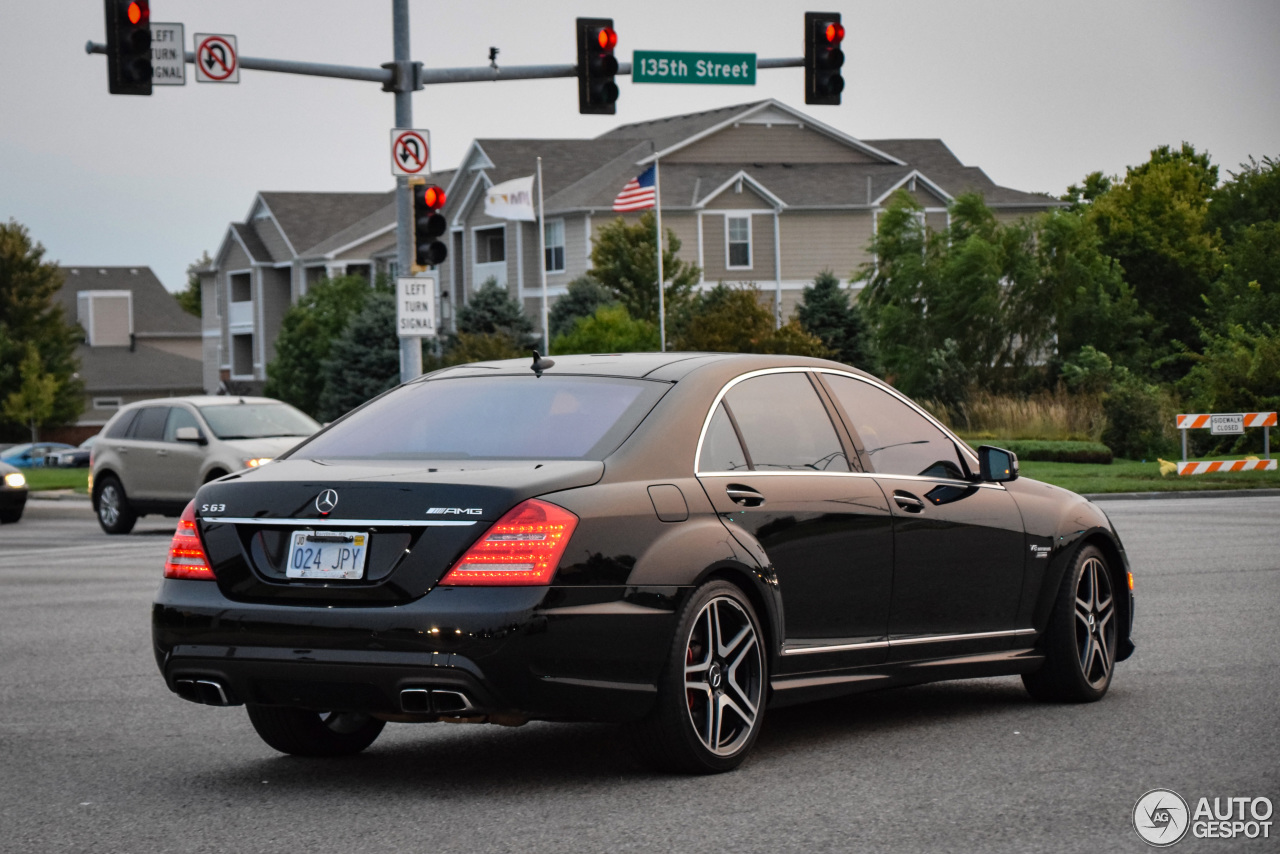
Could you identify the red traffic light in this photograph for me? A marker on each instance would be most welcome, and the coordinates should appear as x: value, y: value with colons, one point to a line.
x: 607, y: 38
x: 137, y: 13
x: 834, y: 33
x: 433, y: 197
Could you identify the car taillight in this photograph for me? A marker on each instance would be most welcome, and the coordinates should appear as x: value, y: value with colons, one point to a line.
x: 523, y: 548
x: 186, y: 553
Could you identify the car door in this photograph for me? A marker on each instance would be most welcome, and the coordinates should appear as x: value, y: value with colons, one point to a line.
x: 180, y: 462
x: 958, y: 544
x: 142, y: 471
x: 777, y: 471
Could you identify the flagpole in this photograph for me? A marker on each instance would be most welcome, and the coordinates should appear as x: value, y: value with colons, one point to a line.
x: 662, y: 308
x: 542, y: 263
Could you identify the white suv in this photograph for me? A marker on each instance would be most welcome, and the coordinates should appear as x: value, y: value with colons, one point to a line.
x: 154, y: 454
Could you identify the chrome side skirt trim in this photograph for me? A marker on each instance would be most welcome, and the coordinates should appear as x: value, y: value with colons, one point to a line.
x: 333, y: 523
x: 905, y: 641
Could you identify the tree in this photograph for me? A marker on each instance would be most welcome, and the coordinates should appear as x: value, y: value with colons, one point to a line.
x: 1251, y: 196
x: 584, y: 296
x: 364, y: 360
x: 827, y: 312
x: 33, y: 403
x: 491, y: 310
x: 189, y: 297
x: 29, y: 317
x: 307, y: 333
x: 624, y: 258
x: 1246, y: 210
x: 1155, y: 224
x: 609, y: 330
x: 732, y: 320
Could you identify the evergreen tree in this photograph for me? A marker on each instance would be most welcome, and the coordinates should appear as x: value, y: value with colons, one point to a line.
x: 826, y: 311
x: 29, y: 318
x: 732, y: 320
x: 584, y: 297
x: 492, y: 310
x: 364, y: 360
x: 307, y: 333
x: 189, y: 297
x: 609, y: 330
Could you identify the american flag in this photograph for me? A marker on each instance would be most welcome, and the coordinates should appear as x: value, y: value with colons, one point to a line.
x: 638, y: 194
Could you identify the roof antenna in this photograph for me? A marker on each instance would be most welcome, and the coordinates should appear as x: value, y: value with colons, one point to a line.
x: 540, y: 364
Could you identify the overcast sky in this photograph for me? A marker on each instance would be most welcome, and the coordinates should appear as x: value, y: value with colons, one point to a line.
x: 1036, y: 93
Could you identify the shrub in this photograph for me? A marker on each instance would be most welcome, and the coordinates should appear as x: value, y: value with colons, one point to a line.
x: 1056, y: 452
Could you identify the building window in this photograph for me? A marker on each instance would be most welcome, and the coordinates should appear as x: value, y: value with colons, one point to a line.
x: 107, y: 402
x: 554, y: 236
x: 738, y: 241
x: 242, y: 355
x: 491, y: 245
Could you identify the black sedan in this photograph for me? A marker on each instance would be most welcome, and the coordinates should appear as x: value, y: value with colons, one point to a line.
x: 677, y: 541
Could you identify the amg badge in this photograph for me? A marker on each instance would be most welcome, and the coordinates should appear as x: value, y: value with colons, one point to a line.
x: 455, y: 511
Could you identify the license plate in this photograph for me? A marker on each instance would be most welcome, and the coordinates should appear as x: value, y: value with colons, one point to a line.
x: 327, y: 554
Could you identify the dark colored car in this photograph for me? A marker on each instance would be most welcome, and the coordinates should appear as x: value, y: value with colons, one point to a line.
x: 73, y: 458
x: 13, y: 493
x: 678, y: 541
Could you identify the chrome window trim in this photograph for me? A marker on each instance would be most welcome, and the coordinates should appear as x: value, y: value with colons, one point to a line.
x: 333, y: 523
x: 961, y: 447
x: 906, y: 641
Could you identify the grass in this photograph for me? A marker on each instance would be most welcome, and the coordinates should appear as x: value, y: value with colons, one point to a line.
x: 1135, y: 476
x: 1046, y: 415
x: 55, y: 478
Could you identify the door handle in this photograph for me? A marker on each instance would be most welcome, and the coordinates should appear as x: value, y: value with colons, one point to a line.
x: 908, y: 502
x: 744, y: 495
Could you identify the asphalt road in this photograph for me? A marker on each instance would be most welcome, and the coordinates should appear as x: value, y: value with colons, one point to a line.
x: 97, y: 755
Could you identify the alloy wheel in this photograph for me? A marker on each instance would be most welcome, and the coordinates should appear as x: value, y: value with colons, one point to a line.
x: 722, y: 676
x: 109, y: 504
x: 1095, y: 622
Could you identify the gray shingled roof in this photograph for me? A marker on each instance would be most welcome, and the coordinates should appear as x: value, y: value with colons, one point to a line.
x: 252, y: 243
x: 143, y: 369
x: 155, y: 310
x: 937, y: 163
x: 666, y: 132
x: 309, y: 218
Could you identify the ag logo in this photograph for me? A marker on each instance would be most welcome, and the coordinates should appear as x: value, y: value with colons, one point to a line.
x: 1161, y: 817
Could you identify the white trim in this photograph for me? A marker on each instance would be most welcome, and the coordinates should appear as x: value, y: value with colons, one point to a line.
x: 564, y: 241
x: 750, y: 254
x: 743, y: 177
x: 806, y: 121
x: 519, y: 258
x: 916, y: 175
x: 459, y: 220
x: 464, y: 166
x: 370, y: 236
x: 702, y: 265
x: 260, y: 331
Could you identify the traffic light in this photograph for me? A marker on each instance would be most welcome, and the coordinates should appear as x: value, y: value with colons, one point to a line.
x: 597, y: 92
x: 823, y: 34
x: 428, y: 224
x: 129, y: 47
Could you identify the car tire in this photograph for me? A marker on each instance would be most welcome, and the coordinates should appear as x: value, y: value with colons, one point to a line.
x: 1080, y: 640
x: 8, y: 517
x: 302, y: 732
x: 711, y: 697
x: 111, y: 505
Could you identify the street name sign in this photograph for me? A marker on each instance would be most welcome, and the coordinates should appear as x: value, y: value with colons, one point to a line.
x: 216, y: 60
x: 416, y: 306
x: 410, y: 152
x: 671, y: 66
x: 168, y: 65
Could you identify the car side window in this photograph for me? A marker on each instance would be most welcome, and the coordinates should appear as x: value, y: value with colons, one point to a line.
x: 896, y: 439
x: 785, y: 425
x: 120, y: 428
x: 721, y: 450
x: 178, y: 417
x: 148, y: 426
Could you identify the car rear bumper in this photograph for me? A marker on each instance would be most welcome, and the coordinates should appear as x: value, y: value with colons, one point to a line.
x: 552, y: 653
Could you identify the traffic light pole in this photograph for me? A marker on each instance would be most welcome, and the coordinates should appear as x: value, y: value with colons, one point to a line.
x: 410, y: 348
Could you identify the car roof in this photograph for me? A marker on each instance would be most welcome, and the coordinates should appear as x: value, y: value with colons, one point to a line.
x: 202, y: 400
x: 670, y: 367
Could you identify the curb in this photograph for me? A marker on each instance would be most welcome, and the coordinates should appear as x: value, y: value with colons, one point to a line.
x: 56, y: 495
x: 1183, y: 493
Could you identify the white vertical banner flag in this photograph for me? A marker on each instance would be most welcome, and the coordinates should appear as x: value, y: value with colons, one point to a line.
x: 511, y: 200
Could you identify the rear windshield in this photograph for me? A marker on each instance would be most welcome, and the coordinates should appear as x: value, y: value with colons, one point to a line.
x: 503, y: 417
x: 257, y: 420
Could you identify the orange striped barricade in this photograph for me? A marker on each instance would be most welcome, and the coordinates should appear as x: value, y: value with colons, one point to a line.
x: 1227, y: 423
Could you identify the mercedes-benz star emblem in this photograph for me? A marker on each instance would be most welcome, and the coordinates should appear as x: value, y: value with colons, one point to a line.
x: 326, y: 501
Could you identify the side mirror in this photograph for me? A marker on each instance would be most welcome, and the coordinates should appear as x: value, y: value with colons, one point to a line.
x: 189, y: 434
x: 996, y: 465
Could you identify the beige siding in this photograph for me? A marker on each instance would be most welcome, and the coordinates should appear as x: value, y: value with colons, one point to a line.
x: 236, y: 258
x: 1017, y: 215
x: 685, y: 228
x: 272, y: 238
x: 925, y: 197
x: 714, y: 237
x: 936, y: 220
x: 752, y: 143
x: 748, y: 199
x: 275, y: 302
x: 813, y: 242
